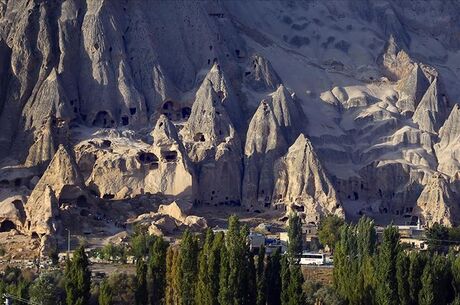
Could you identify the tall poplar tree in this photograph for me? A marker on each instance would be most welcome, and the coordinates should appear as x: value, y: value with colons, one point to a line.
x: 387, y: 288
x: 416, y: 267
x: 295, y: 244
x: 273, y: 281
x: 188, y: 268
x: 156, y: 272
x: 402, y: 277
x: 261, y: 278
x: 204, y: 289
x: 141, y: 294
x: 285, y: 280
x: 214, y: 263
x: 78, y: 279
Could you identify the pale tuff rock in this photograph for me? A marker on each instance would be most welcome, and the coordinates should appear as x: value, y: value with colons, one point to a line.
x: 436, y: 203
x: 260, y: 74
x: 212, y: 142
x: 178, y: 209
x: 302, y: 184
x: 226, y: 94
x: 432, y: 109
x: 61, y: 183
x: 50, y: 101
x: 448, y: 149
x: 117, y: 169
x: 271, y: 130
x: 412, y: 89
x: 395, y: 61
x: 52, y: 133
x: 288, y: 113
x: 265, y: 143
x: 111, y: 68
x: 12, y: 214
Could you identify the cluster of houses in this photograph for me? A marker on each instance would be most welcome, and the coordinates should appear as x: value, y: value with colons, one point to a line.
x: 414, y: 235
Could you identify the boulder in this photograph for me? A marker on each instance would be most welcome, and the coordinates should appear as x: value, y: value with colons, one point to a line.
x: 178, y: 209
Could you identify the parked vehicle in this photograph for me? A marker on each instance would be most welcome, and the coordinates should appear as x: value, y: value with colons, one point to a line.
x: 308, y: 258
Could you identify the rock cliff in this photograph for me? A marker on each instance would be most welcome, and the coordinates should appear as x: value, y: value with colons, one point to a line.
x: 316, y: 107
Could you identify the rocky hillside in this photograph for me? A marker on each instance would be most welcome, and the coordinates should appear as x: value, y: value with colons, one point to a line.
x: 345, y: 107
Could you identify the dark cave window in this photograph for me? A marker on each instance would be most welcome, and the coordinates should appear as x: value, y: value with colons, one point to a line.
x: 199, y: 137
x: 7, y: 226
x: 108, y: 196
x: 132, y: 111
x: 169, y: 156
x: 186, y: 111
x: 168, y: 105
x: 124, y: 120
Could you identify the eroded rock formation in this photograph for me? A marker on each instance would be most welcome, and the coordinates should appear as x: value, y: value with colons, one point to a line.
x: 302, y: 184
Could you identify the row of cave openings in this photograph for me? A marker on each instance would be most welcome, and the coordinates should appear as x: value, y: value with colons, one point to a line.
x: 149, y: 158
x: 172, y: 111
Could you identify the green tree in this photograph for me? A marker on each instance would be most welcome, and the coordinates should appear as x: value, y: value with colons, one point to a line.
x: 387, y: 288
x: 156, y: 272
x: 250, y: 278
x: 214, y: 263
x: 285, y: 280
x: 78, y: 279
x: 328, y: 230
x: 45, y: 290
x: 141, y: 294
x: 437, y: 237
x: 105, y: 293
x: 456, y: 276
x: 261, y: 278
x: 427, y: 293
x: 204, y: 289
x: 295, y: 286
x: 188, y: 268
x: 234, y: 265
x: 141, y: 243
x: 402, y: 277
x: 295, y: 244
x: 416, y: 267
x: 442, y: 279
x: 172, y: 276
x: 123, y: 287
x: 225, y: 294
x: 273, y: 281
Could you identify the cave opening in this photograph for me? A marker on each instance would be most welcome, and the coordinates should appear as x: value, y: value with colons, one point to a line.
x: 7, y: 226
x: 169, y: 156
x: 147, y: 157
x: 103, y: 119
x: 168, y: 105
x: 199, y: 137
x: 186, y: 111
